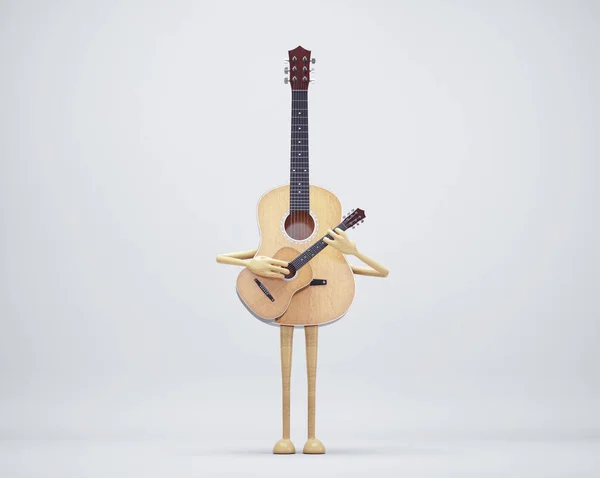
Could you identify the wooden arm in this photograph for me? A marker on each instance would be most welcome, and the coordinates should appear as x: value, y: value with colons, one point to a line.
x: 236, y: 258
x: 339, y: 240
x: 260, y: 265
x: 375, y: 269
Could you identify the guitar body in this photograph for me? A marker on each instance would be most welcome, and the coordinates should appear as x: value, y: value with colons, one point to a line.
x: 268, y: 298
x: 299, y: 236
x: 312, y: 305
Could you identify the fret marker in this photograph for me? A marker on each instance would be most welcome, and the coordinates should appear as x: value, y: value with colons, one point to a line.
x: 299, y: 141
x: 299, y: 128
x: 299, y: 113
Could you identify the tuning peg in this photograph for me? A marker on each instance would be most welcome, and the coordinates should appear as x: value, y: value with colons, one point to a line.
x: 286, y: 70
x: 313, y: 60
x: 286, y: 80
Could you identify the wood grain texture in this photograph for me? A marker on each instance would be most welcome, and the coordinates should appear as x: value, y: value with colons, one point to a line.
x: 312, y: 343
x: 286, y: 337
x: 312, y: 446
x: 312, y: 305
x: 281, y: 290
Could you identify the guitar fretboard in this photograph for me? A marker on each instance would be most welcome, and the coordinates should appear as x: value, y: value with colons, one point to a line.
x: 313, y: 250
x: 299, y: 178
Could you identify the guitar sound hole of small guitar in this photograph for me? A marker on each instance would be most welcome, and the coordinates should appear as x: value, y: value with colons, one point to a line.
x: 299, y: 225
x: 292, y: 273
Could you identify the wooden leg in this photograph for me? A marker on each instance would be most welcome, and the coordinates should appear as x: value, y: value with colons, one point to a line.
x: 285, y: 445
x: 312, y: 446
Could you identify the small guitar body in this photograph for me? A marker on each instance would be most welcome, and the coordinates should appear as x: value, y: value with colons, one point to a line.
x: 319, y: 304
x: 268, y: 298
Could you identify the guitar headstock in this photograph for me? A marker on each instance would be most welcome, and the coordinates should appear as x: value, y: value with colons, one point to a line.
x: 353, y: 219
x: 299, y: 69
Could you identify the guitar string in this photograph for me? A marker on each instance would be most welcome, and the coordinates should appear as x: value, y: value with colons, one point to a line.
x: 292, y: 165
x: 298, y: 203
x: 291, y: 153
x: 294, y: 136
x: 317, y: 244
x: 292, y: 201
x: 300, y: 103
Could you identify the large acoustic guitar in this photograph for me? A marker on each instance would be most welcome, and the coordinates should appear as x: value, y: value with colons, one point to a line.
x: 297, y: 216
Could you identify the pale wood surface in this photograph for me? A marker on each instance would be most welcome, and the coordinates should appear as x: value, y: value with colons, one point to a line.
x: 312, y: 343
x: 286, y: 338
x: 312, y: 445
x: 238, y: 258
x: 221, y: 258
x: 366, y: 271
x: 284, y: 447
x: 312, y: 305
x: 281, y: 290
x: 375, y: 269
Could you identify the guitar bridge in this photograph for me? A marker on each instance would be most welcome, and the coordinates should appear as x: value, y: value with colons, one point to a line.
x: 264, y: 289
x: 318, y: 282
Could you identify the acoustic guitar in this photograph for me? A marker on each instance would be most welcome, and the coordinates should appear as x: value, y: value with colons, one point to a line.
x: 268, y: 298
x: 291, y: 219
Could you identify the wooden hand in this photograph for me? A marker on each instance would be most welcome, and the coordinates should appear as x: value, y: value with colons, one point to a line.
x: 342, y: 243
x: 267, y: 267
x: 259, y: 265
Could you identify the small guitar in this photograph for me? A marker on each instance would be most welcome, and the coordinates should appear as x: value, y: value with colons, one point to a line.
x: 268, y: 298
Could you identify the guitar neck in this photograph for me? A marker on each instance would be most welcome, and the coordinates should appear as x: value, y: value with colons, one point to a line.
x: 303, y: 259
x: 299, y: 173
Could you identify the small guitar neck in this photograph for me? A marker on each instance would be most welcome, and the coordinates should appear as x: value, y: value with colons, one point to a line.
x: 352, y: 220
x: 312, y: 251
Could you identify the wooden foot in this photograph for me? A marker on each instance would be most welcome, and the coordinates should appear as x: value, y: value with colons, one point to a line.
x: 285, y: 446
x: 312, y: 446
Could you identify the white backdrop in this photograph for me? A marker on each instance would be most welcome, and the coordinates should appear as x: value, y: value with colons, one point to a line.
x: 136, y: 138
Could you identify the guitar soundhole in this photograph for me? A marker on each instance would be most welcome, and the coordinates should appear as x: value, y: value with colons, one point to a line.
x: 292, y: 269
x: 299, y: 225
